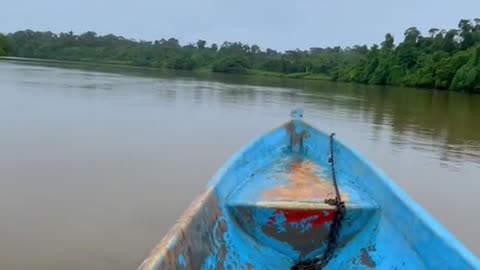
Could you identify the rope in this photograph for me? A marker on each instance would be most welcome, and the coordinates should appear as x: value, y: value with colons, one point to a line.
x: 320, y: 262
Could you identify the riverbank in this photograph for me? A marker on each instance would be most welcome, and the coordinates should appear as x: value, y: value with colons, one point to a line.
x: 203, y: 71
x: 247, y: 72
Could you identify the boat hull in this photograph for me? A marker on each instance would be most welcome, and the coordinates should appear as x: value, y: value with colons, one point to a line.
x: 265, y: 209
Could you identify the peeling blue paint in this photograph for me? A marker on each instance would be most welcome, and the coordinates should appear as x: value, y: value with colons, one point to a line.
x: 181, y: 261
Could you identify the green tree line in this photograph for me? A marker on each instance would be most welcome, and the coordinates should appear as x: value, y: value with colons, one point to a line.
x: 5, y: 46
x: 442, y: 59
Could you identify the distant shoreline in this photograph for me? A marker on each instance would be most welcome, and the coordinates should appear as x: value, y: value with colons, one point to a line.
x: 248, y: 72
x: 55, y: 61
x: 442, y: 59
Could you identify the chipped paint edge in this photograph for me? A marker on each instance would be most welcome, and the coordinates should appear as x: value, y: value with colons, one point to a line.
x: 173, y: 234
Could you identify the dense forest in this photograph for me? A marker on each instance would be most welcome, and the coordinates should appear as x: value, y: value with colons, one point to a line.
x: 442, y: 59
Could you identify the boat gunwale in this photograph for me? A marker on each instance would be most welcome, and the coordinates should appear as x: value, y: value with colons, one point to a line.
x: 178, y: 228
x: 417, y: 210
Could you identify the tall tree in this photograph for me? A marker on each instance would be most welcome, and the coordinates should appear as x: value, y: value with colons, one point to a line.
x: 201, y: 44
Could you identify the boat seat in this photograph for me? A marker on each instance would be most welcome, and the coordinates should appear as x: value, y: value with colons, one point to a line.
x: 283, y: 206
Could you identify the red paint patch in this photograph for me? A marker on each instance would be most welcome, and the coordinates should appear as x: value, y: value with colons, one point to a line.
x: 314, y: 217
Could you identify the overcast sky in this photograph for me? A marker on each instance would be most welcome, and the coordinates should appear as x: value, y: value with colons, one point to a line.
x: 276, y: 24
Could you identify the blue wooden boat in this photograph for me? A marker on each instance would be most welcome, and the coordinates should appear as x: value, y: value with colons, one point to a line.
x: 297, y: 198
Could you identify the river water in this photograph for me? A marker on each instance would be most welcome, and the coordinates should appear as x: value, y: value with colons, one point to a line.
x: 96, y: 163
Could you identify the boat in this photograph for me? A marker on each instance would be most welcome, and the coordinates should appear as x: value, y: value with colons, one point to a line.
x: 298, y: 198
